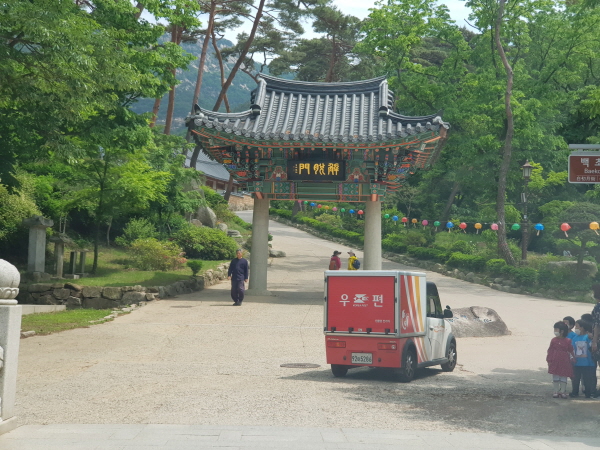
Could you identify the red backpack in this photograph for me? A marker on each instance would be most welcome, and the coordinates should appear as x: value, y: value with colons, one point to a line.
x: 332, y: 264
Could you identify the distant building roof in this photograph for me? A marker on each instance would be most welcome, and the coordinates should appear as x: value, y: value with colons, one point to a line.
x: 358, y: 111
x: 210, y: 168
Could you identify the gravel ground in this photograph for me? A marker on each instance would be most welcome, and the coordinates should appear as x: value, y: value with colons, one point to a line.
x: 197, y: 360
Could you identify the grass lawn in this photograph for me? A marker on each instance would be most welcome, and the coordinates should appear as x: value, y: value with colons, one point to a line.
x: 112, y: 271
x: 47, y: 323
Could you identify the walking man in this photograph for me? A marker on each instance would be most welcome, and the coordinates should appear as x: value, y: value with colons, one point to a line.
x: 238, y: 274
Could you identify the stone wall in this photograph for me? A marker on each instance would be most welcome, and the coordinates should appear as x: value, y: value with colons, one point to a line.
x: 74, y: 296
x: 240, y: 202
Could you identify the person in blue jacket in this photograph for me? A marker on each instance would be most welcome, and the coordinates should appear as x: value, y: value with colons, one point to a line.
x: 238, y: 274
x: 585, y: 367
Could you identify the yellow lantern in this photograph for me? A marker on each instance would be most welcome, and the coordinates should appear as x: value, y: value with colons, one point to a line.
x: 414, y: 222
x: 594, y: 226
x: 477, y: 227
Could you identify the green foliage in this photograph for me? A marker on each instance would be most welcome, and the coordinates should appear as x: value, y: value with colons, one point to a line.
x: 14, y: 207
x: 196, y: 266
x: 495, y: 266
x: 205, y: 243
x: 428, y: 254
x: 213, y: 198
x: 462, y: 247
x: 136, y: 229
x: 152, y: 254
x: 395, y: 243
x: 467, y: 262
x: 286, y: 214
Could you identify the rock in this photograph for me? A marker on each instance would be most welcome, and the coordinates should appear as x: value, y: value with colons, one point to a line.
x: 470, y: 276
x: 498, y: 280
x: 61, y: 294
x: 162, y: 292
x: 207, y: 216
x: 40, y: 287
x: 276, y: 253
x: 99, y: 303
x: 40, y: 276
x: 222, y: 226
x: 477, y: 321
x: 133, y: 297
x: 588, y: 267
x: 46, y: 299
x: 73, y: 287
x: 496, y: 286
x: 151, y: 296
x: 112, y: 293
x: 438, y: 268
x: 26, y: 334
x: 152, y: 289
x: 233, y: 233
x: 91, y: 291
x: 73, y: 302
x: 25, y: 297
x: 196, y: 222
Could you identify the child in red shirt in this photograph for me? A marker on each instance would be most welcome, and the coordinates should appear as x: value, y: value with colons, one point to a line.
x: 560, y: 359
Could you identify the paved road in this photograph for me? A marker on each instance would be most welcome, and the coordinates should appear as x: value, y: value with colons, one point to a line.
x: 195, y: 360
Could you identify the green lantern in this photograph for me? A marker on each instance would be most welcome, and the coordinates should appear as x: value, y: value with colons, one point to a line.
x: 343, y: 210
x: 386, y: 216
x: 305, y: 202
x: 436, y: 223
x: 515, y: 227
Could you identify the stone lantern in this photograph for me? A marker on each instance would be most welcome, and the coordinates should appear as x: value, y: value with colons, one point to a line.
x: 10, y: 334
x: 36, y: 256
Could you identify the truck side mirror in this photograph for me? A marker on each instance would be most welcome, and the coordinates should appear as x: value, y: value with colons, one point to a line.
x: 448, y: 314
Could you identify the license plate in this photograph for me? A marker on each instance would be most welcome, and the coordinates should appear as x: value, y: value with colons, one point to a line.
x: 362, y: 358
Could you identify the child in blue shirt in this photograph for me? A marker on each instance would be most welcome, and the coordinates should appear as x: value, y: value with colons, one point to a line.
x: 585, y: 367
x: 570, y: 322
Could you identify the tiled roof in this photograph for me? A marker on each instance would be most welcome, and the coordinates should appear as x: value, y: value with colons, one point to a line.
x: 210, y: 168
x: 359, y: 111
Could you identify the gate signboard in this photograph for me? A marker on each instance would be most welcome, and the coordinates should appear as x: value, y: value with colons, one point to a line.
x: 584, y: 167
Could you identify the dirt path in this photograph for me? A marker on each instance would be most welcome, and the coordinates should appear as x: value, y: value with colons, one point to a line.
x: 197, y: 360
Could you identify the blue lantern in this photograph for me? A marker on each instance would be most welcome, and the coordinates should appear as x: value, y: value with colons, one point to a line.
x: 395, y: 219
x: 312, y: 204
x: 449, y: 225
x: 351, y: 211
x: 539, y: 227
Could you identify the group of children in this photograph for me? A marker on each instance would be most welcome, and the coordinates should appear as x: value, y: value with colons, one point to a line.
x: 570, y: 356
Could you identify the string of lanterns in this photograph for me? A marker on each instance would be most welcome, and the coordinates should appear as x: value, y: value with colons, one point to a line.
x: 595, y: 226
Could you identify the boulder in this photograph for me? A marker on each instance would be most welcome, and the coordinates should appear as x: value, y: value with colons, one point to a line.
x: 73, y: 287
x: 73, y: 302
x: 223, y: 227
x: 207, y: 216
x: 133, y: 297
x: 61, y: 294
x: 46, y: 299
x: 276, y: 253
x: 588, y: 268
x: 196, y: 222
x: 40, y: 287
x: 25, y: 297
x: 91, y: 291
x: 477, y: 321
x: 112, y: 293
x: 99, y: 303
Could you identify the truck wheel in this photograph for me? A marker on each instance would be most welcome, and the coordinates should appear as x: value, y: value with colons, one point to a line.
x: 339, y: 370
x: 409, y: 366
x: 451, y: 355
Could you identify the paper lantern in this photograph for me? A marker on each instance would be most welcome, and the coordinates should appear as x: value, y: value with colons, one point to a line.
x: 305, y: 202
x: 594, y: 226
x: 360, y: 212
x: 494, y: 226
x: 463, y: 226
x: 449, y: 225
x: 414, y: 220
x: 515, y: 227
x: 386, y: 216
x: 351, y: 211
x: 395, y: 219
x: 404, y: 220
x: 565, y: 227
x: 334, y: 209
x: 477, y: 227
x: 425, y: 222
x: 539, y: 227
x: 312, y: 204
x: 319, y: 206
x: 343, y: 210
x: 327, y: 208
x: 436, y: 224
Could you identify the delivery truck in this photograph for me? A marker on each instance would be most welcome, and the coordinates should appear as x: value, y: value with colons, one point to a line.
x: 386, y: 319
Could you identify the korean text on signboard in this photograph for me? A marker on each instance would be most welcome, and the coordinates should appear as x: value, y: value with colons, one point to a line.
x: 361, y: 303
x: 316, y: 170
x: 584, y: 167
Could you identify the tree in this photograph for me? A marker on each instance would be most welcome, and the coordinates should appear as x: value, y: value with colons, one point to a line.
x: 579, y: 216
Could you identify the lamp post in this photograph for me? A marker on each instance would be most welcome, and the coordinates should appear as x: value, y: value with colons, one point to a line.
x: 527, y: 169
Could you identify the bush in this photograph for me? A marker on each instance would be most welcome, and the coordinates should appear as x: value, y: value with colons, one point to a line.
x: 462, y: 247
x: 428, y: 253
x: 395, y: 243
x: 152, y: 254
x: 14, y: 207
x: 206, y: 243
x: 525, y: 275
x: 196, y: 267
x: 495, y: 266
x: 213, y: 198
x: 415, y: 238
x: 286, y: 214
x: 468, y: 262
x: 136, y: 229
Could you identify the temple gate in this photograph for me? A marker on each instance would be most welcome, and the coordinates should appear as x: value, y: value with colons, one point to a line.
x: 322, y: 142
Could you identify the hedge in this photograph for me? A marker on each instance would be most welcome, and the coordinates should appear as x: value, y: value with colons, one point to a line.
x: 469, y: 262
x: 428, y: 253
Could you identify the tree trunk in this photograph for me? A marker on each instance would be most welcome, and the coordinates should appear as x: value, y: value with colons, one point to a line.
x: 241, y: 57
x: 296, y: 208
x: 446, y: 212
x: 201, y: 64
x: 504, y: 167
x: 155, y: 110
x: 330, y: 70
x: 108, y: 232
x: 176, y: 34
x: 229, y: 188
x: 221, y: 68
x: 140, y: 8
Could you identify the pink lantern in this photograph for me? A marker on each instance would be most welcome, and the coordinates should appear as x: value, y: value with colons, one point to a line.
x: 565, y: 227
x: 463, y: 226
x: 360, y: 212
x: 334, y: 209
x: 494, y: 226
x: 319, y: 206
x: 425, y: 223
